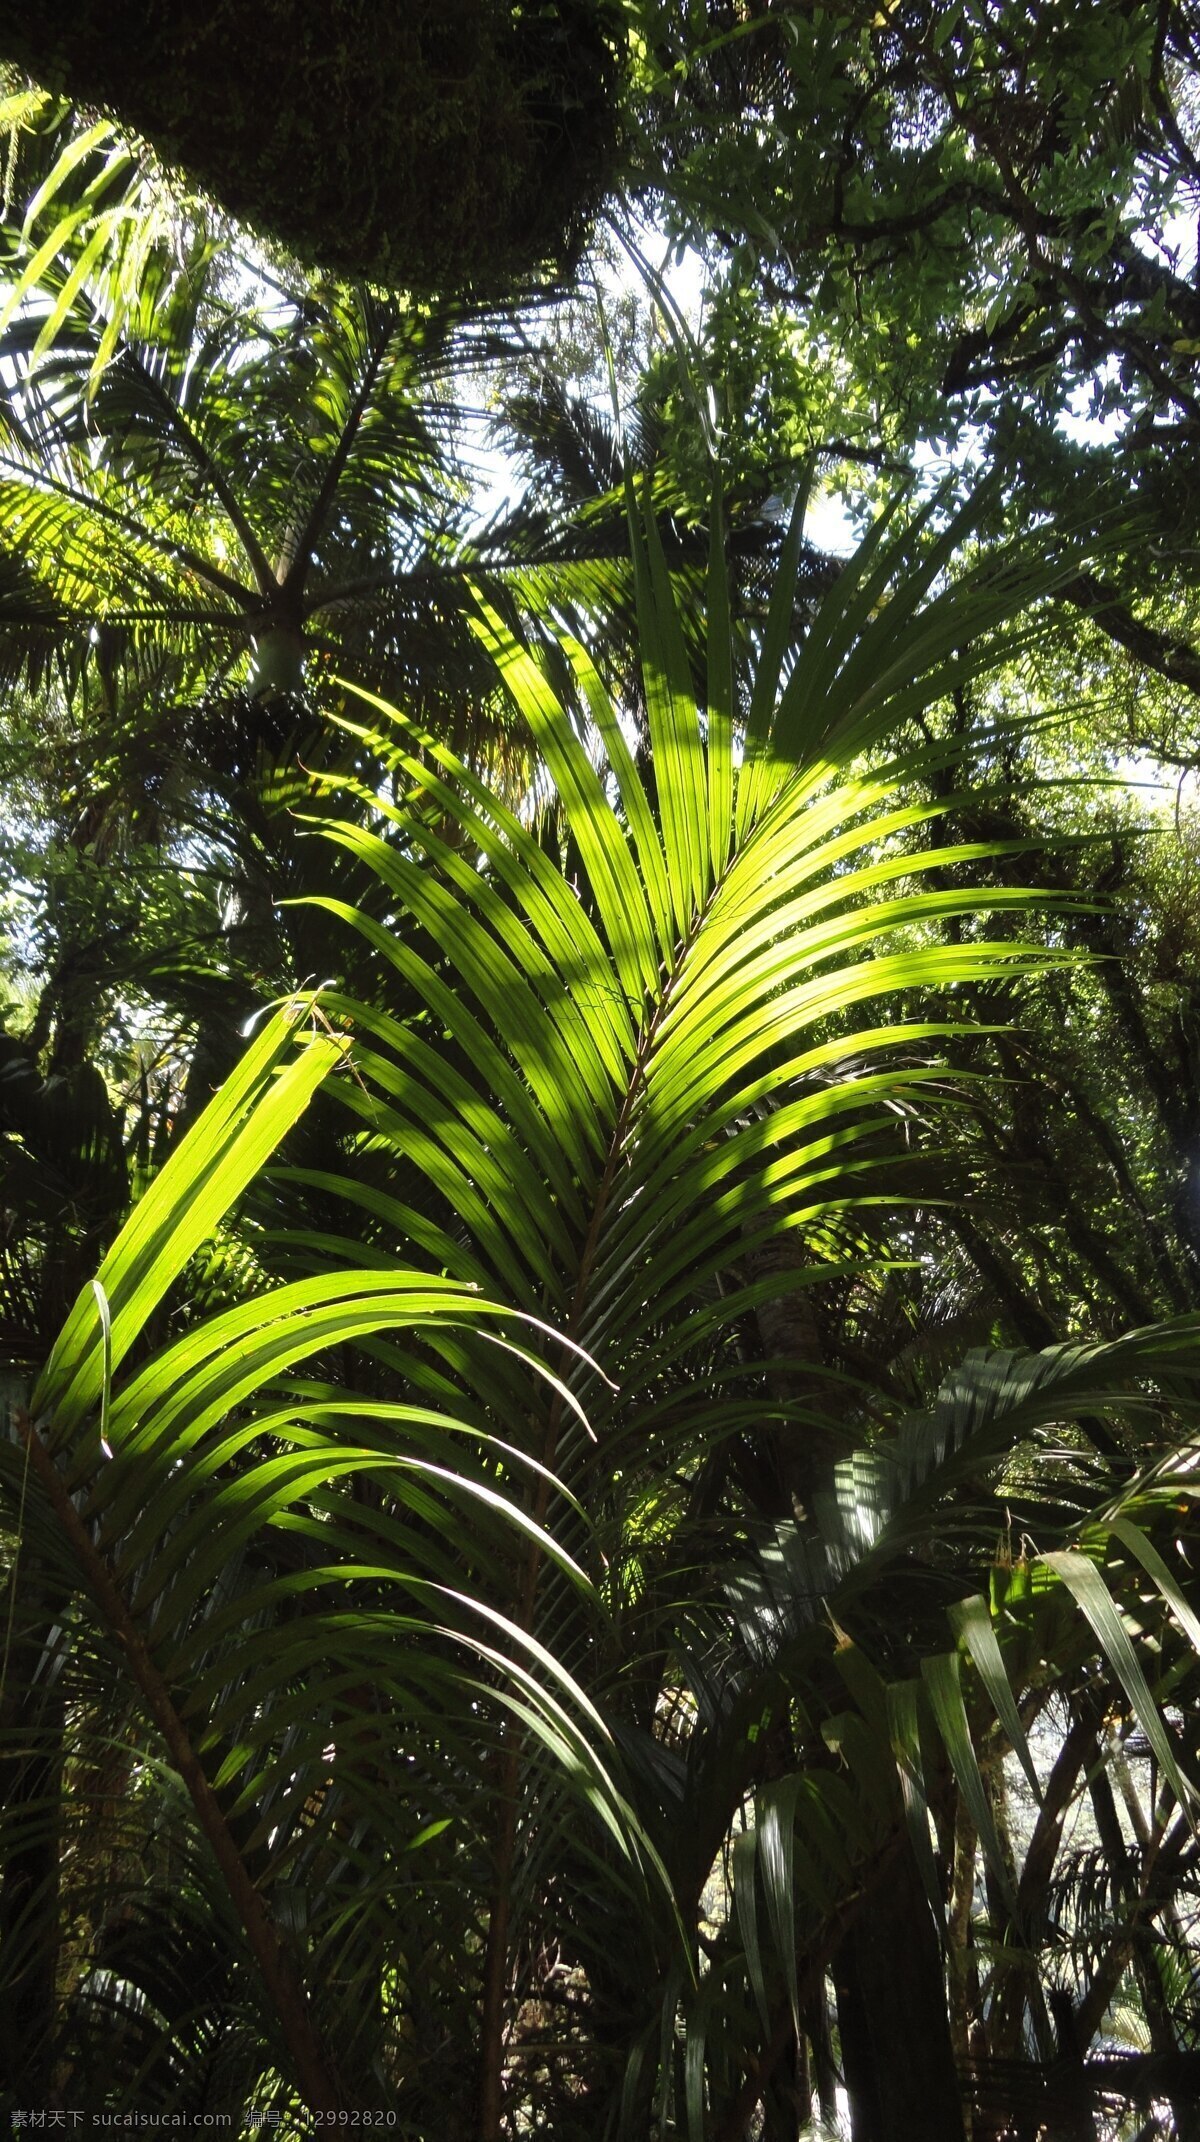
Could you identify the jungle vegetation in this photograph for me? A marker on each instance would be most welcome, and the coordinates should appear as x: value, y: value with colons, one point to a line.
x: 600, y: 1078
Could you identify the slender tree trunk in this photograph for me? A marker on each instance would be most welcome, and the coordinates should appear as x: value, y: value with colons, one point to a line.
x: 897, y: 2055
x: 1012, y: 1981
x: 1144, y: 1955
x: 823, y: 2070
x: 786, y: 2097
x: 496, y: 1951
x: 963, y: 1979
x: 1074, y: 2114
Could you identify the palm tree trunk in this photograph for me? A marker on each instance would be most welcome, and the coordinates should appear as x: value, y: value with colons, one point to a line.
x: 897, y: 2055
x: 963, y: 1977
x: 824, y: 2073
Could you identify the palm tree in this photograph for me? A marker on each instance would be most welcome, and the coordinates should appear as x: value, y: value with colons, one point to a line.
x: 171, y: 1586
x: 211, y: 499
x: 199, y: 493
x: 696, y: 1566
x: 366, y: 1634
x: 650, y: 1083
x: 249, y: 470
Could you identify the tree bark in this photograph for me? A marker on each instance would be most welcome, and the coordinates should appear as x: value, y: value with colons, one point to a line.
x: 897, y: 2056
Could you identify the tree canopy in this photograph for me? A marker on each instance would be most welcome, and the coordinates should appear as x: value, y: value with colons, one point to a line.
x: 441, y: 145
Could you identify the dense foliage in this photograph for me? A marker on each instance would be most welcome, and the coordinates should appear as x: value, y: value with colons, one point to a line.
x: 599, y: 1245
x: 956, y: 225
x: 434, y: 146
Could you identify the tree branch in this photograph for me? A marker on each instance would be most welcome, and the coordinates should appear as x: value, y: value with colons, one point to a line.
x: 1169, y: 657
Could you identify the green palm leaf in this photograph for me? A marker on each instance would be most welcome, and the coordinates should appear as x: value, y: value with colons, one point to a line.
x: 607, y: 1097
x: 282, y: 1630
